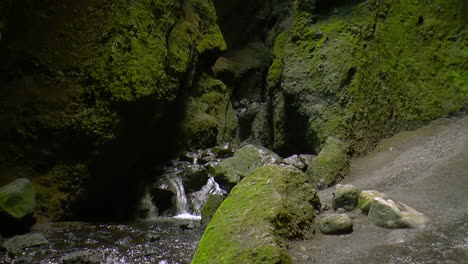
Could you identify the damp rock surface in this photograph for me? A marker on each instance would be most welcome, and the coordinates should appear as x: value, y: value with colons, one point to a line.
x: 425, y: 169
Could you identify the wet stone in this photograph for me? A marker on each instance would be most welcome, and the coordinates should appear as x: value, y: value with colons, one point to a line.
x: 345, y: 196
x: 83, y: 257
x: 336, y: 224
x: 16, y: 244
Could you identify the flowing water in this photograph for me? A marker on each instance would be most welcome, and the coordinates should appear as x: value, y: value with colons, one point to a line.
x: 152, y: 238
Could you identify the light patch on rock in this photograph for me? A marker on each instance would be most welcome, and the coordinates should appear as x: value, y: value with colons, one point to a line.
x: 391, y: 214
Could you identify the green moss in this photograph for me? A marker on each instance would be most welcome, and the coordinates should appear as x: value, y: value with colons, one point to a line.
x: 210, y: 119
x: 210, y: 207
x: 18, y: 198
x: 276, y: 68
x: 367, y: 70
x: 331, y: 164
x: 252, y: 225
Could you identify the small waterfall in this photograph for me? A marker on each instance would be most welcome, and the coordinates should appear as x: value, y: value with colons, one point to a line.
x: 176, y: 186
x: 147, y: 209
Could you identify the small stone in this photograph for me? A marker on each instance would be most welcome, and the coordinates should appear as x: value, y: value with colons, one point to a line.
x: 366, y: 197
x: 153, y: 237
x: 391, y: 214
x: 187, y: 226
x: 345, y: 196
x: 336, y: 224
x: 305, y: 257
x: 326, y: 207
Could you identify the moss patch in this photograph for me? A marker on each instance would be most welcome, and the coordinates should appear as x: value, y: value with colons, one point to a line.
x: 268, y: 207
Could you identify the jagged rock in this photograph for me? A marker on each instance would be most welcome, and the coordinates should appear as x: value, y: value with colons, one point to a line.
x: 210, y: 207
x: 194, y: 177
x: 245, y: 160
x: 336, y: 224
x: 331, y: 165
x: 295, y: 161
x: 366, y: 197
x: 272, y: 204
x: 345, y: 196
x: 16, y: 244
x: 83, y: 257
x: 17, y: 204
x: 391, y: 214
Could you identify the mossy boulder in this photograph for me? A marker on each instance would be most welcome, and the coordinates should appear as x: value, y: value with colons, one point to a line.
x: 345, y: 196
x: 273, y: 204
x: 336, y: 224
x: 330, y: 165
x: 245, y: 160
x: 17, y: 204
x: 210, y: 207
x: 366, y: 198
x: 387, y: 213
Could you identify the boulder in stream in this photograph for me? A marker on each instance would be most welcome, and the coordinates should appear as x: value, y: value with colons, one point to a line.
x: 295, y: 161
x: 83, y: 257
x: 245, y: 160
x: 391, y: 214
x: 336, y: 224
x: 366, y: 197
x: 345, y: 196
x: 271, y: 205
x: 17, y: 204
x: 16, y: 244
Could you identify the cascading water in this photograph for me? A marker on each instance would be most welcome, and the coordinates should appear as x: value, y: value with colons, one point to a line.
x: 199, y: 198
x: 176, y: 186
x: 147, y: 209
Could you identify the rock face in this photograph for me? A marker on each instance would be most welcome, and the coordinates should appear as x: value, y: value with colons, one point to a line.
x: 390, y: 214
x: 245, y: 160
x: 16, y: 244
x: 366, y: 198
x: 336, y: 224
x: 252, y: 225
x: 17, y: 204
x: 331, y: 164
x: 345, y: 196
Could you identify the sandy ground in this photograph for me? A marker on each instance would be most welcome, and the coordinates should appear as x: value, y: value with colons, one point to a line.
x: 426, y: 169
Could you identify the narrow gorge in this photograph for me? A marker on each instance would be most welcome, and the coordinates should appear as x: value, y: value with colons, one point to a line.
x: 211, y: 131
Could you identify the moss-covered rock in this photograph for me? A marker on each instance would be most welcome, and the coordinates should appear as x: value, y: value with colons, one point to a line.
x: 363, y: 70
x: 17, y: 204
x: 210, y: 118
x: 245, y: 160
x: 210, y: 207
x: 366, y: 197
x: 268, y: 207
x: 330, y: 165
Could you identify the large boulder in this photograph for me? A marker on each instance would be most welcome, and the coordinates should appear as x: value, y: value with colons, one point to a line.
x: 245, y: 160
x: 17, y: 204
x: 366, y: 198
x: 16, y: 244
x: 336, y: 224
x: 331, y: 164
x: 345, y: 196
x: 391, y: 214
x: 210, y: 207
x: 252, y: 225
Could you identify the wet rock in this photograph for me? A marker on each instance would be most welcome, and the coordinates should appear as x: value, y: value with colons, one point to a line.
x: 152, y: 237
x: 210, y: 207
x: 83, y: 257
x: 295, y: 161
x: 194, y: 177
x: 336, y: 224
x: 391, y: 214
x: 16, y: 244
x: 17, y: 204
x: 245, y: 160
x: 331, y: 165
x: 366, y: 197
x: 261, y: 128
x: 345, y: 196
x: 223, y: 151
